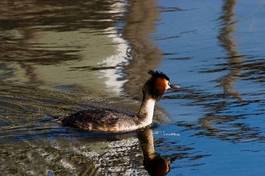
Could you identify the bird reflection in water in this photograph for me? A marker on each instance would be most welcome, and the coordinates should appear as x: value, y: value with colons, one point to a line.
x: 155, y: 164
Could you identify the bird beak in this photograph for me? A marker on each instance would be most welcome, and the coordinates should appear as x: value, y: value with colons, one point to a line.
x: 174, y: 86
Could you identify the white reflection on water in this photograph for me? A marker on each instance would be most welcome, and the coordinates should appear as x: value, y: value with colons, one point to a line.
x: 116, y: 62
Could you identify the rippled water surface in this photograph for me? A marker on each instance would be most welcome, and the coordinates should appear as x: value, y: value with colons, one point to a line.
x: 60, y: 57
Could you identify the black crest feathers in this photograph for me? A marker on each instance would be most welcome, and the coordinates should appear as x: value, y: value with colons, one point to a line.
x: 157, y: 74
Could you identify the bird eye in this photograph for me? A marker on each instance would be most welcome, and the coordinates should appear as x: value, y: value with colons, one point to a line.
x: 168, y: 85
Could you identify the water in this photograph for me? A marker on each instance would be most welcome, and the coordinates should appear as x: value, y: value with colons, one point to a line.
x: 59, y: 57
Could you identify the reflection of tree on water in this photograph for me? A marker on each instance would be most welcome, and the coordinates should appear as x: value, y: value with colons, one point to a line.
x: 52, y: 15
x: 213, y: 122
x: 28, y: 17
x: 140, y: 23
x: 234, y: 58
x: 22, y: 21
x: 141, y: 19
x: 216, y: 123
x: 227, y: 41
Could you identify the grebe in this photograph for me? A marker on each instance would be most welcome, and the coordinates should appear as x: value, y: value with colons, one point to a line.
x: 113, y: 121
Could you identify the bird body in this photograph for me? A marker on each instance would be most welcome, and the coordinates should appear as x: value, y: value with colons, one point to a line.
x: 113, y: 121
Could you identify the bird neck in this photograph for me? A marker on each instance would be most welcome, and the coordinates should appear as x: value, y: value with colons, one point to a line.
x: 146, y: 111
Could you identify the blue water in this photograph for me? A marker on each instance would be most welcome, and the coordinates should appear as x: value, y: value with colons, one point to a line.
x: 232, y: 143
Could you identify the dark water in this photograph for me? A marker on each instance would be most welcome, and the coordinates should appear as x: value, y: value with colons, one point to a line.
x: 59, y: 57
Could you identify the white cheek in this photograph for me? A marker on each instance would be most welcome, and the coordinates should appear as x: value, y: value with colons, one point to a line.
x: 167, y: 87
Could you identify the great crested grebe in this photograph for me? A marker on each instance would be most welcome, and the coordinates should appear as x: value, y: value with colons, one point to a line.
x: 113, y: 121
